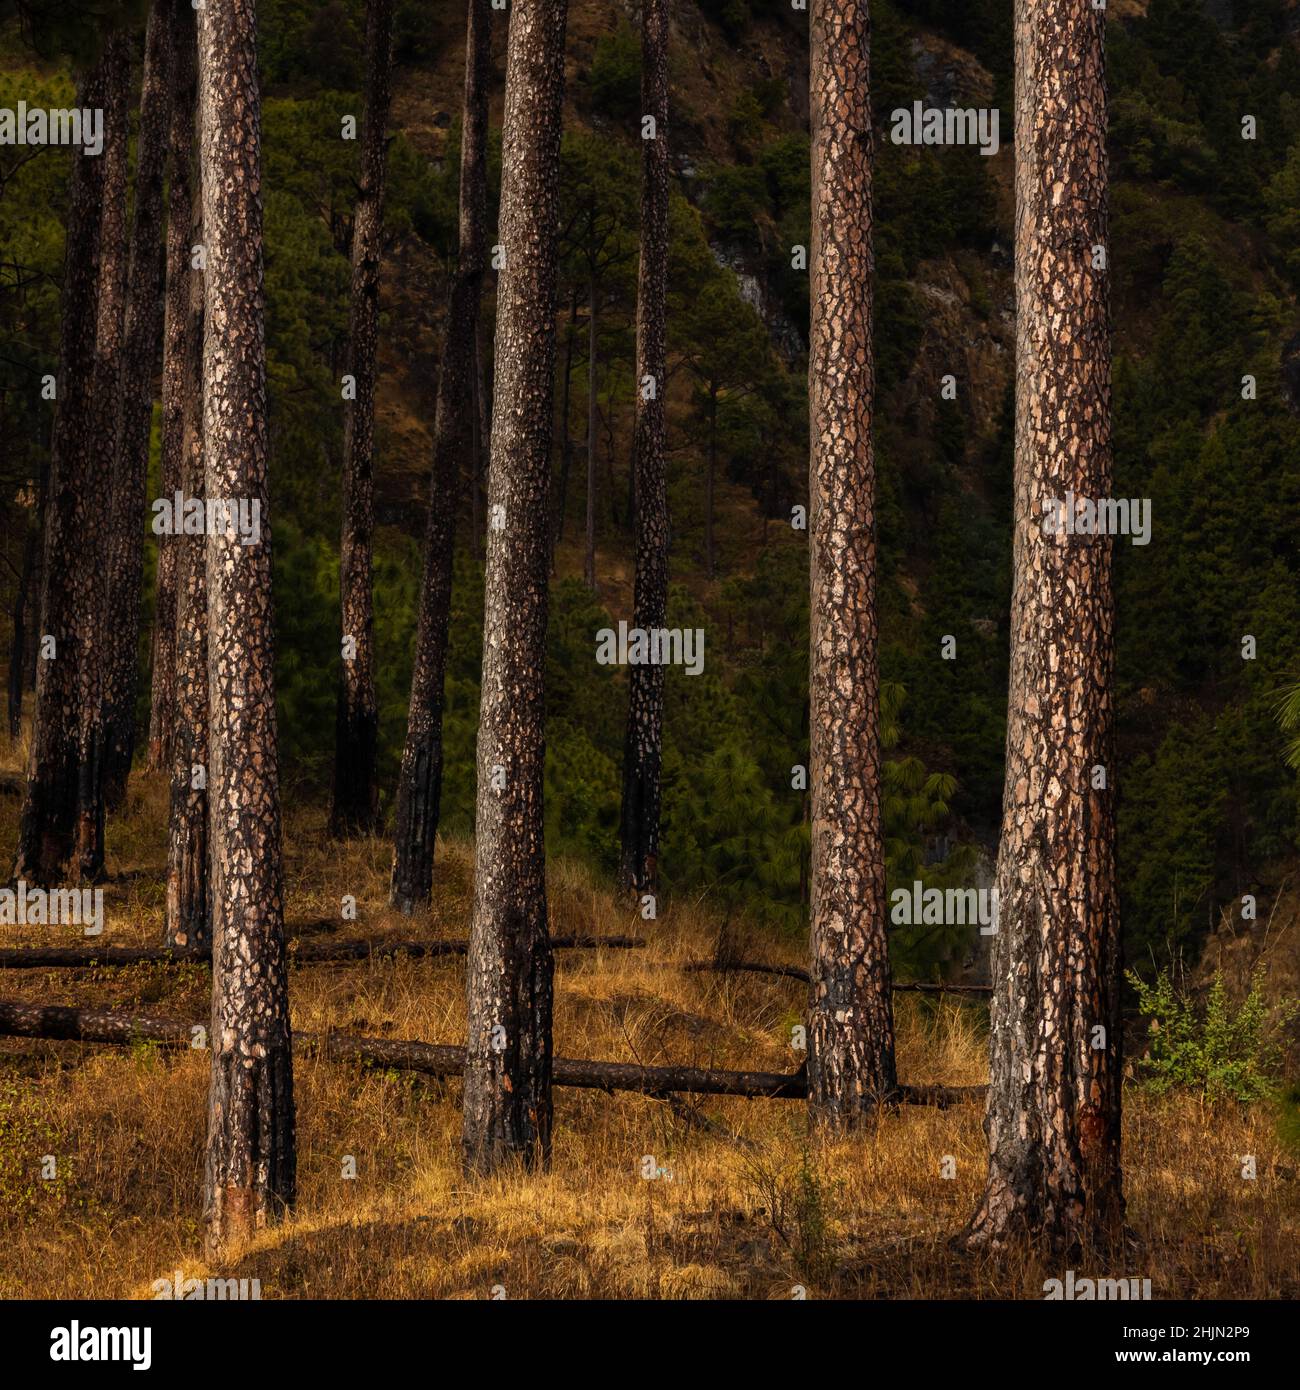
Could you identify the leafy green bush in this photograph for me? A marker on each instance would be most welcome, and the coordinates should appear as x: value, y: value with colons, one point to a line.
x: 1222, y: 1052
x: 614, y: 80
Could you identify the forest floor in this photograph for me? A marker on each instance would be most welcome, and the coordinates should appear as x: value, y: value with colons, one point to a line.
x: 749, y: 1206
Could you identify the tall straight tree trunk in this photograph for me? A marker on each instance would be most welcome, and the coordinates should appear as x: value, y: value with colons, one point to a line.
x: 355, y: 802
x: 250, y: 1167
x: 135, y: 407
x: 175, y: 379
x: 642, y: 742
x: 476, y: 468
x: 419, y: 786
x: 566, y: 440
x: 189, y: 908
x: 68, y: 616
x: 107, y: 385
x: 507, y: 1105
x: 1053, y: 1116
x: 589, y: 554
x: 22, y: 613
x: 851, y: 1067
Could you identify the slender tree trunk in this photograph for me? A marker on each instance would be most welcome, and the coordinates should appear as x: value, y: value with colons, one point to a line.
x: 851, y: 1027
x: 135, y: 409
x: 189, y: 909
x: 710, y: 474
x: 250, y: 1166
x: 22, y: 613
x: 180, y: 219
x: 106, y: 389
x: 507, y: 1106
x: 477, y: 469
x: 419, y: 786
x: 566, y: 440
x: 69, y: 617
x: 642, y: 742
x: 355, y: 803
x: 589, y: 555
x: 1053, y: 1117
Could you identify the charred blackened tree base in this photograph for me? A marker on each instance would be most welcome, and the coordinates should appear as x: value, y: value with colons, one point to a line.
x: 642, y: 757
x: 355, y: 807
x: 417, y: 823
x: 250, y: 1183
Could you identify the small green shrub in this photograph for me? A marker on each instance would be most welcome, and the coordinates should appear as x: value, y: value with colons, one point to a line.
x: 1221, y: 1052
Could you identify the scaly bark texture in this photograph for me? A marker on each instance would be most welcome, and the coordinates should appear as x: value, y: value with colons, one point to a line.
x: 419, y: 783
x: 250, y: 1168
x: 188, y: 923
x: 851, y: 1027
x: 162, y: 709
x: 110, y: 341
x: 135, y: 409
x: 355, y: 802
x: 507, y: 1106
x: 643, y: 740
x: 1053, y: 1118
x: 68, y: 615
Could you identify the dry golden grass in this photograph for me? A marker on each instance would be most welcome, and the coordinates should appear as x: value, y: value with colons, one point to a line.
x: 753, y: 1208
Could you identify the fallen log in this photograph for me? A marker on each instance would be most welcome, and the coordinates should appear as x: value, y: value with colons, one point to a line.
x: 309, y: 953
x: 61, y: 1022
x: 797, y: 972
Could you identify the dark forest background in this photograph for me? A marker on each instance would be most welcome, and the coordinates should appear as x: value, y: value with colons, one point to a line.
x: 1205, y: 273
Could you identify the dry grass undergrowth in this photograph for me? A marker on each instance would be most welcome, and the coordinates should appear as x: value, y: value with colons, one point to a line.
x: 752, y: 1208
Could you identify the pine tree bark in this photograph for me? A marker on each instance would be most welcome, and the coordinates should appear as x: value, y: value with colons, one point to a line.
x: 643, y: 740
x: 106, y: 388
x: 68, y: 615
x: 176, y: 317
x: 419, y: 787
x: 507, y: 1106
x: 1053, y: 1117
x: 851, y: 1068
x: 188, y: 922
x: 135, y: 408
x: 355, y: 802
x: 250, y: 1165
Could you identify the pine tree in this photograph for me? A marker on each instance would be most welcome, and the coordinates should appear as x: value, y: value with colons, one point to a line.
x: 134, y: 408
x: 642, y: 743
x: 106, y: 384
x: 851, y: 1033
x: 355, y: 801
x: 176, y: 317
x: 250, y: 1168
x: 69, y: 615
x: 419, y: 784
x: 188, y: 923
x: 507, y: 1104
x: 1053, y: 1116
